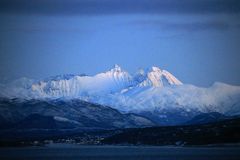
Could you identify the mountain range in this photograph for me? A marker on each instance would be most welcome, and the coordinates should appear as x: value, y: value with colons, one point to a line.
x: 153, y: 95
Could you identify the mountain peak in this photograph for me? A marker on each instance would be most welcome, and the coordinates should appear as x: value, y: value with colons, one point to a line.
x: 116, y: 68
x: 156, y: 69
x: 155, y: 77
x: 111, y: 81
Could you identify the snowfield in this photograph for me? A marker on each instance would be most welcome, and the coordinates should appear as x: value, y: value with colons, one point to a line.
x: 149, y: 91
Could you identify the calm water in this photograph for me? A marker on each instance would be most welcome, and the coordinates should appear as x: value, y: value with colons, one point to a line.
x: 75, y: 152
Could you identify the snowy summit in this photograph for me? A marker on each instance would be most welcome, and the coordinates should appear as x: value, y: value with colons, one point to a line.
x: 150, y: 90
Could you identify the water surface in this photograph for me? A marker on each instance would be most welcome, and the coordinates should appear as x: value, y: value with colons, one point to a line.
x: 75, y: 152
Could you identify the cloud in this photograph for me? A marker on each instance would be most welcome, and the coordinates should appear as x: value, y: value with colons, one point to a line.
x: 106, y: 7
x: 185, y: 26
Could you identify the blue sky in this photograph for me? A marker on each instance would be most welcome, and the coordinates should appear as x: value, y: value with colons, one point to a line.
x: 197, y: 42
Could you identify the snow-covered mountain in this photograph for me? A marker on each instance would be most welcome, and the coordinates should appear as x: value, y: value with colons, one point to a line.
x: 111, y: 81
x: 74, y: 86
x: 155, y: 77
x: 177, y: 104
x: 153, y: 92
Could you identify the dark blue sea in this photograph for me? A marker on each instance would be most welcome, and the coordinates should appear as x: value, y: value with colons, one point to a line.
x: 80, y: 152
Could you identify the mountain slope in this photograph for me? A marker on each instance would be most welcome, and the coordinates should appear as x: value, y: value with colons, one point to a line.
x: 207, y: 118
x: 80, y: 114
x: 152, y: 93
x: 176, y: 104
x: 227, y: 131
x: 155, y: 77
x: 82, y: 86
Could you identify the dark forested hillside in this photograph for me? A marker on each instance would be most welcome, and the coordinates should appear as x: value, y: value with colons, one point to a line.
x: 227, y: 131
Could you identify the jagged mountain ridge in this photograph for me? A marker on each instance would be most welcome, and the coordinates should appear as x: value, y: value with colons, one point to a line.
x: 64, y: 114
x: 153, y: 93
x: 113, y: 81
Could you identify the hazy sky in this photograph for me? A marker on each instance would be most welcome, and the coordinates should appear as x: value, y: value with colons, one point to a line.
x: 197, y: 41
